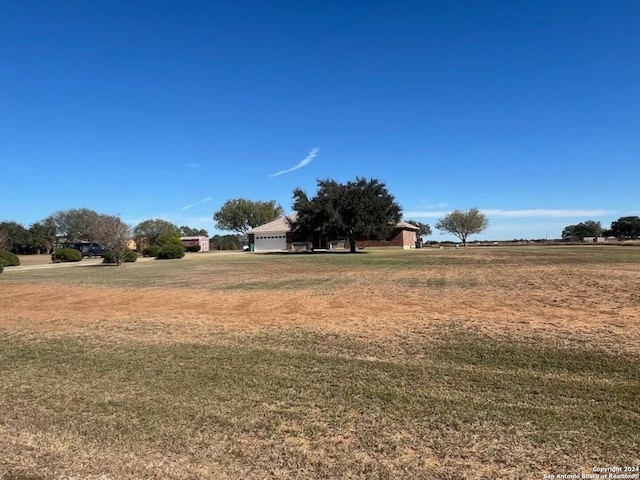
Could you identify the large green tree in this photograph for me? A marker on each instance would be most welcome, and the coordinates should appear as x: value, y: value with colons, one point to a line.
x: 626, y: 228
x: 156, y: 231
x: 463, y: 223
x: 43, y: 234
x: 15, y: 237
x: 357, y: 208
x: 75, y: 225
x: 241, y: 215
x: 581, y: 230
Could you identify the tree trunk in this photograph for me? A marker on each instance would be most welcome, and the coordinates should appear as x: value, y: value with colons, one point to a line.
x: 352, y: 245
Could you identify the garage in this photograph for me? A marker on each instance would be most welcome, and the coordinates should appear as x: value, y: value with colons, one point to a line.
x: 270, y: 242
x: 272, y: 236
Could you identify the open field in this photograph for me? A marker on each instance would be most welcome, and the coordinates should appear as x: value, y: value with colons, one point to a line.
x: 476, y: 363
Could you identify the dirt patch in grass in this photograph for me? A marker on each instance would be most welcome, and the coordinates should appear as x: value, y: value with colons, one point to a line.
x: 563, y: 303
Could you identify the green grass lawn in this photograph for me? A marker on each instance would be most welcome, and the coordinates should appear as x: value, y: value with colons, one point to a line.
x: 322, y: 407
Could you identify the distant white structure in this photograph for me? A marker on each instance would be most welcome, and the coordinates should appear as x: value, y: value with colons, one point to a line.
x: 594, y: 240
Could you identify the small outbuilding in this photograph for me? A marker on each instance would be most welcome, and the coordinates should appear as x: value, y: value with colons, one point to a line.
x: 194, y: 241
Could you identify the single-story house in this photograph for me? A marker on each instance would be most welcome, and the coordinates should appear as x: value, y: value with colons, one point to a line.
x: 277, y: 236
x: 272, y: 236
x: 194, y: 241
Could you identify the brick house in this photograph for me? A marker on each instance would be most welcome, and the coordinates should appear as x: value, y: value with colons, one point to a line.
x: 277, y: 236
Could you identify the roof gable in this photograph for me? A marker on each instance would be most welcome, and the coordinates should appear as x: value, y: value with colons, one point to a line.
x: 406, y: 226
x: 278, y: 225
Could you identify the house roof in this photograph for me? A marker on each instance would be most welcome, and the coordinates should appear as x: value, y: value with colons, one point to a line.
x: 407, y: 226
x: 282, y: 225
x: 278, y: 225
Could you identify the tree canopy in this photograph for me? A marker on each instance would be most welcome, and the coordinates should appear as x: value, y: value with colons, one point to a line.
x: 241, y: 215
x: 75, y: 225
x: 155, y: 232
x: 581, y: 230
x: 15, y: 237
x: 626, y: 228
x: 186, y: 231
x: 357, y: 208
x: 463, y: 223
x: 43, y: 235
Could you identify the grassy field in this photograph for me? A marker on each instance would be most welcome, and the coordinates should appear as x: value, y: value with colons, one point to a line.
x: 476, y: 363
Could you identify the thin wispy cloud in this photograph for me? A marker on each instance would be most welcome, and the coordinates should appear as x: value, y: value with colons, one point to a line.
x: 541, y: 212
x: 192, y: 165
x: 437, y: 205
x: 530, y: 213
x: 191, y: 205
x: 306, y: 161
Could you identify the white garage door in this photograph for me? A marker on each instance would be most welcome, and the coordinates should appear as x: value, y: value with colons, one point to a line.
x: 271, y: 242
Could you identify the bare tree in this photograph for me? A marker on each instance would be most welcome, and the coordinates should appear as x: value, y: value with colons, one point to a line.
x: 114, y: 235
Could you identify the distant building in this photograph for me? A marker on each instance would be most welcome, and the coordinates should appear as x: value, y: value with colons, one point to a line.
x: 193, y: 241
x: 594, y: 240
x: 276, y: 236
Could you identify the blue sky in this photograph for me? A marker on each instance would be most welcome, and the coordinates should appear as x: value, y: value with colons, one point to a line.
x: 529, y: 111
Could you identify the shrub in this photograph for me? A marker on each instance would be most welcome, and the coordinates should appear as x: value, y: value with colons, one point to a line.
x: 192, y: 248
x: 8, y: 259
x: 1, y: 267
x: 171, y: 251
x: 152, y: 251
x: 129, y: 257
x: 66, y: 255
